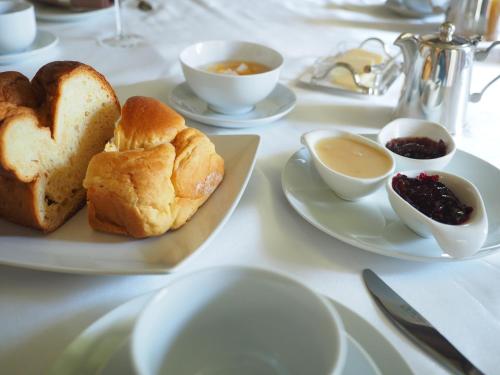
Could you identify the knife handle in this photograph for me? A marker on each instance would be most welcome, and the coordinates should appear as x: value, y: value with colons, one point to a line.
x: 439, y: 343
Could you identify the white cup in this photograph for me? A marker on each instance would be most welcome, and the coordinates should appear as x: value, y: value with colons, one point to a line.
x: 230, y: 94
x: 17, y: 26
x: 238, y: 320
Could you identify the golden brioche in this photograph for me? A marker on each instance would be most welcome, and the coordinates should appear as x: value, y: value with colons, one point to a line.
x: 131, y: 191
x: 198, y: 170
x: 145, y: 123
x: 49, y: 130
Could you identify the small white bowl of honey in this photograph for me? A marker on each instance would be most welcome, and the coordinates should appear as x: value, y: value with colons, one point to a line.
x: 231, y: 76
x: 351, y: 165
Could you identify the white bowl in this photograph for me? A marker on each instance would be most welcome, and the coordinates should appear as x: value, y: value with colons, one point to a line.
x: 238, y: 320
x: 346, y: 187
x: 408, y: 127
x: 17, y: 26
x: 455, y: 240
x: 227, y: 93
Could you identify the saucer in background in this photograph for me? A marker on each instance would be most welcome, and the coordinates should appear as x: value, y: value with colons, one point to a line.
x: 278, y: 104
x: 45, y: 12
x: 44, y: 41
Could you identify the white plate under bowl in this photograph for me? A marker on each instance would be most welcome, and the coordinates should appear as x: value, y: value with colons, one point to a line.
x: 103, y: 348
x: 278, y: 104
x: 371, y: 224
x: 44, y: 12
x: 44, y: 40
x: 76, y: 248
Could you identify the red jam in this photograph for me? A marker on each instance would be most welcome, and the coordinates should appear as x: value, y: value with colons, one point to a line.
x: 417, y: 147
x: 432, y: 198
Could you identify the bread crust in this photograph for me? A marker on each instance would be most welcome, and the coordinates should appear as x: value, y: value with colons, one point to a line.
x: 18, y: 202
x: 21, y: 195
x: 47, y: 84
x: 15, y: 88
x: 145, y: 123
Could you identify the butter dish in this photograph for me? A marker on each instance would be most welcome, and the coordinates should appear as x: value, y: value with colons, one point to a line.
x: 367, y: 68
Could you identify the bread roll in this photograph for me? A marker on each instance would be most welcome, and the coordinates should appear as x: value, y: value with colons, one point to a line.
x: 130, y: 192
x: 154, y: 174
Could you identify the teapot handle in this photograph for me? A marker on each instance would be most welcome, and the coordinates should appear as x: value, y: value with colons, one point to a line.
x: 475, y: 97
x: 482, y: 54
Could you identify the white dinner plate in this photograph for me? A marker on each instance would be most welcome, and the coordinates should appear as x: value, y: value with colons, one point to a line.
x: 103, y: 348
x: 76, y: 248
x: 371, y: 224
x: 44, y: 41
x: 45, y: 12
x: 278, y: 104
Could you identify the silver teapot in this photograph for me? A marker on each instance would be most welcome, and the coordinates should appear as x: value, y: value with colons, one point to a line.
x: 437, y: 70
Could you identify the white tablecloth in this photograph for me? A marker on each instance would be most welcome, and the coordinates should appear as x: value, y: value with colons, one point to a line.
x: 41, y: 312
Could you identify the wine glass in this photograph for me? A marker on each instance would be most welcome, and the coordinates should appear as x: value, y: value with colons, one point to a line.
x: 121, y: 39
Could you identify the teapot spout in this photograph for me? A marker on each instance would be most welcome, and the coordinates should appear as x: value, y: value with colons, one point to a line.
x: 408, y: 43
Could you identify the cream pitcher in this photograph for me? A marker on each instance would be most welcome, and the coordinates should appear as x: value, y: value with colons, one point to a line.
x: 437, y: 71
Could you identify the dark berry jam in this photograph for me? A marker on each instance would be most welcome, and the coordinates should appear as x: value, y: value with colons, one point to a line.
x: 432, y: 198
x: 417, y: 147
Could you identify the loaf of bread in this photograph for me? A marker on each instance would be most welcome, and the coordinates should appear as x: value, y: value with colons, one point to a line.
x: 49, y: 129
x: 154, y: 174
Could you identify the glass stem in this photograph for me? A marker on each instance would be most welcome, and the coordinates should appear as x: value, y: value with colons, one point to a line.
x: 118, y: 19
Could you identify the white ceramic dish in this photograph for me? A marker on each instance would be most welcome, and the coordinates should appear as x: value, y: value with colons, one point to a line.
x: 76, y: 248
x: 371, y: 224
x: 44, y: 41
x: 17, y: 26
x: 103, y: 348
x: 235, y: 319
x: 456, y: 240
x: 278, y: 104
x: 408, y: 127
x: 346, y: 187
x: 45, y: 12
x: 230, y: 94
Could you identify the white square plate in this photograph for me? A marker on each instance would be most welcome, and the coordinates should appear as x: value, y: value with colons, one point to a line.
x: 76, y: 248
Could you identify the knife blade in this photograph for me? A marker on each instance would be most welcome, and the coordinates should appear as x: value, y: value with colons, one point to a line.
x: 416, y: 327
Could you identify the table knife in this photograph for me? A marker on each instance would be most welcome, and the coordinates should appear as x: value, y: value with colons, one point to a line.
x: 416, y: 327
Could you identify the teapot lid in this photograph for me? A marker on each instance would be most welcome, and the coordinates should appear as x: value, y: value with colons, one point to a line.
x: 447, y: 38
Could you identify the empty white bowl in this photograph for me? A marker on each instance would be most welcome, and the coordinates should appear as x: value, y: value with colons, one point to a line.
x: 230, y: 94
x: 346, y: 187
x: 238, y: 320
x: 17, y: 26
x: 455, y: 240
x: 409, y: 127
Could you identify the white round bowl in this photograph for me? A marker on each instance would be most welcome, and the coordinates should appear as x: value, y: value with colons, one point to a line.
x: 238, y: 320
x: 408, y: 127
x: 346, y: 187
x: 455, y: 240
x: 17, y: 26
x: 227, y: 93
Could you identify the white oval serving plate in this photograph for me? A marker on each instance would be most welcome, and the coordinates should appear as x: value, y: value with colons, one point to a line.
x: 371, y: 224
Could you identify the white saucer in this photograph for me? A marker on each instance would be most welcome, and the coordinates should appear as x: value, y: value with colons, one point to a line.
x: 370, y: 223
x: 45, y: 12
x: 279, y: 103
x: 102, y: 348
x: 44, y: 40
